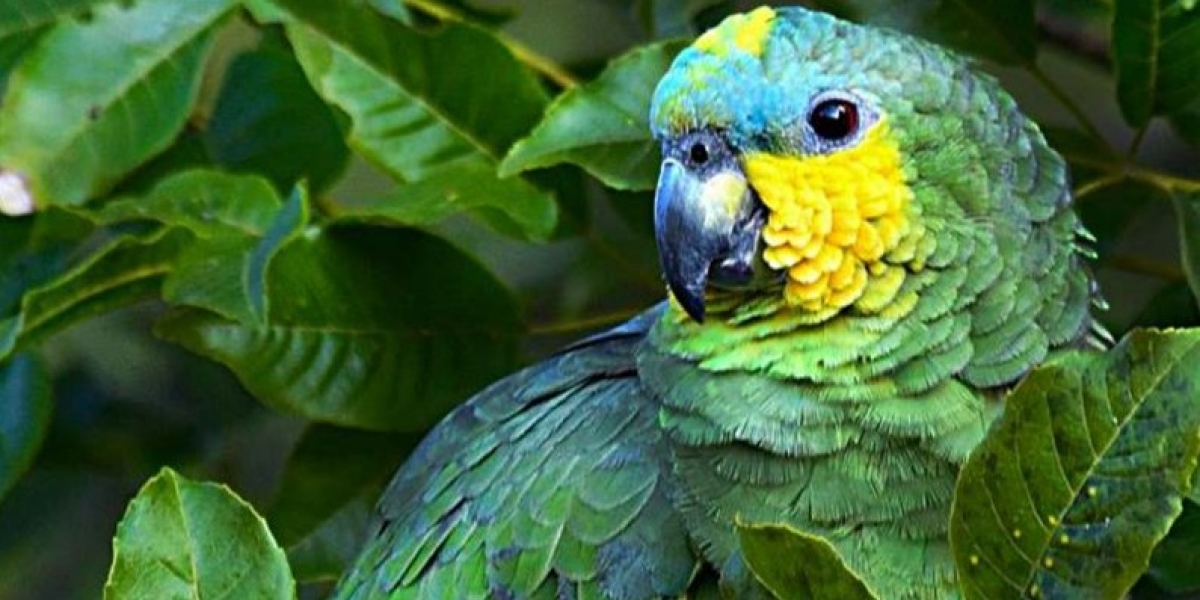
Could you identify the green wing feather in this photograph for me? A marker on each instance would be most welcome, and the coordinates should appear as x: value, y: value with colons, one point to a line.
x: 552, y: 483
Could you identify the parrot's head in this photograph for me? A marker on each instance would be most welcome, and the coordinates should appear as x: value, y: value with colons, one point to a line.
x: 805, y: 156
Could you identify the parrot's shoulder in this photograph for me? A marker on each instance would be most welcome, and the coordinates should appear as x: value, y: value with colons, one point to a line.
x: 553, y: 482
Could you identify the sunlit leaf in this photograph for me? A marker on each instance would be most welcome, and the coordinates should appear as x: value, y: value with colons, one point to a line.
x: 1083, y: 474
x: 25, y: 407
x: 185, y: 539
x: 1187, y: 211
x: 238, y: 221
x: 418, y: 102
x: 74, y: 126
x: 1156, y: 50
x: 797, y: 566
x: 603, y: 126
x: 1000, y: 30
x: 359, y: 341
x: 472, y: 188
x: 268, y: 120
x: 205, y: 202
x: 19, y: 16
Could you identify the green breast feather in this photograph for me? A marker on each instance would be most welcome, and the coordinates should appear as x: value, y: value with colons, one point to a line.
x: 866, y: 245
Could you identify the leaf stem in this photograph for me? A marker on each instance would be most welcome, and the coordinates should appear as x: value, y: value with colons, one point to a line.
x: 531, y: 58
x: 1098, y: 184
x: 1165, y: 181
x: 1068, y: 103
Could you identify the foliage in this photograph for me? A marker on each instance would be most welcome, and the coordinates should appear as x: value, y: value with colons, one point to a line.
x: 366, y: 211
x: 183, y: 539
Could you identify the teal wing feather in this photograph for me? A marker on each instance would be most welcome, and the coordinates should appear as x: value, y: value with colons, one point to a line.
x: 552, y: 483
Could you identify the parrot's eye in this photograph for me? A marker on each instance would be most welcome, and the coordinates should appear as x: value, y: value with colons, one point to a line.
x: 698, y: 154
x: 834, y: 119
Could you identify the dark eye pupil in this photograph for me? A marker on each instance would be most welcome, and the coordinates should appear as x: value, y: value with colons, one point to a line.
x: 834, y: 119
x: 698, y: 154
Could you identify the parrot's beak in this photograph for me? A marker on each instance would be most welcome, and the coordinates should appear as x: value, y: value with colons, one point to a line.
x: 708, y: 226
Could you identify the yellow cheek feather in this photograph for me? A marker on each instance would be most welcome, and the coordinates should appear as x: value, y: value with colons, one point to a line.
x: 747, y: 32
x: 839, y: 223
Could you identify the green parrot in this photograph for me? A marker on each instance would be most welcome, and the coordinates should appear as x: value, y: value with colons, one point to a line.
x: 866, y: 246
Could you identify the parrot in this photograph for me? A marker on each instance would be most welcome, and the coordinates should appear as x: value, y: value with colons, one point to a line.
x: 865, y: 245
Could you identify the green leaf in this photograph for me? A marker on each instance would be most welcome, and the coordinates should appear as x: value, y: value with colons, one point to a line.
x: 603, y: 126
x: 392, y: 8
x: 794, y: 565
x: 73, y: 127
x: 205, y: 202
x: 1156, y: 51
x: 20, y: 16
x: 230, y: 216
x: 1187, y: 212
x: 123, y: 271
x: 417, y: 105
x: 25, y: 407
x: 288, y: 224
x: 471, y: 187
x: 330, y: 484
x: 185, y: 539
x: 1175, y: 564
x: 1083, y: 474
x: 35, y: 250
x: 12, y: 49
x: 269, y: 120
x: 358, y: 341
x: 1000, y: 30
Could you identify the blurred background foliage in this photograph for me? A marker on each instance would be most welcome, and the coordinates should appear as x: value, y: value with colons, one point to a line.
x: 478, y: 274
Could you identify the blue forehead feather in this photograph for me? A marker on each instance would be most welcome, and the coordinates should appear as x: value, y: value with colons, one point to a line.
x: 754, y: 98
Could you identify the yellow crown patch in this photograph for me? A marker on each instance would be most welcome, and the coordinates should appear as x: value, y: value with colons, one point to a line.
x: 747, y: 32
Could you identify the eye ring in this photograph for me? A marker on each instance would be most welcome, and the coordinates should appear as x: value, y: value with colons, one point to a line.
x: 834, y: 119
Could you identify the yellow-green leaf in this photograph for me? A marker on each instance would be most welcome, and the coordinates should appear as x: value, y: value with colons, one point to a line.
x: 96, y: 98
x: 798, y: 566
x: 188, y: 540
x: 603, y: 126
x: 1083, y: 474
